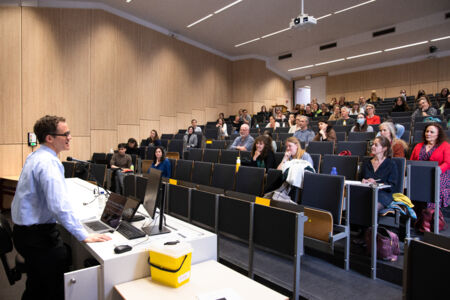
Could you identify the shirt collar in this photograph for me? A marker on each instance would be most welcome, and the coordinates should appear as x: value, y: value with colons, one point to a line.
x: 48, y: 149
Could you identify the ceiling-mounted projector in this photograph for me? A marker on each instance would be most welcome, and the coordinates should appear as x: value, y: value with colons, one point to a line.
x: 302, y: 21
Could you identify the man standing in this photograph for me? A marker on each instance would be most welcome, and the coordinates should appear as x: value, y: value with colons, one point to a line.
x: 41, y: 199
x: 244, y: 142
x: 304, y: 134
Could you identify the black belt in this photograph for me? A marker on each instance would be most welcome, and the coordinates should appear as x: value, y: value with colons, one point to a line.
x: 35, y: 227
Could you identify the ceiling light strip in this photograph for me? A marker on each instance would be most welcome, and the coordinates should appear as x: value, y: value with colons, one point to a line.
x: 440, y: 39
x: 299, y: 68
x: 276, y: 32
x: 365, y: 54
x: 241, y: 44
x: 323, y: 17
x: 330, y: 62
x: 354, y: 6
x: 228, y: 6
x: 405, y: 46
x: 201, y: 20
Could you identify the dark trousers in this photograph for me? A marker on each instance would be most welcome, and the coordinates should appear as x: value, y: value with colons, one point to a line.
x: 46, y: 260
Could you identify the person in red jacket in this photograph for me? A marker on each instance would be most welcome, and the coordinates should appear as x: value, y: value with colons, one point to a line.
x: 372, y: 118
x: 435, y: 148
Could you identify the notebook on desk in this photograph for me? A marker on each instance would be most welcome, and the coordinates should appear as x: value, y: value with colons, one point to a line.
x: 111, y: 215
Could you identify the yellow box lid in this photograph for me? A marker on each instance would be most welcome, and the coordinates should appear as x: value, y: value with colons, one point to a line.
x: 176, y: 250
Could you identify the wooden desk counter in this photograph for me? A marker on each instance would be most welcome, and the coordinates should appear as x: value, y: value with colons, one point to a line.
x: 7, y: 190
x: 206, y: 277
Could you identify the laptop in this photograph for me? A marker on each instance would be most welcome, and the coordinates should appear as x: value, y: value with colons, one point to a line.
x: 111, y: 215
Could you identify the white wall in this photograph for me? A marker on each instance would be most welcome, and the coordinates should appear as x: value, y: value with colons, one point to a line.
x: 318, y: 87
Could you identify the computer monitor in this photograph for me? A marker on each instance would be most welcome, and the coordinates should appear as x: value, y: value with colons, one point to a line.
x: 151, y: 197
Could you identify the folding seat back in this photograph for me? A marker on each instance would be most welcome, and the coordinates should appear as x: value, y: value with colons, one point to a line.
x: 202, y: 172
x: 356, y: 148
x: 360, y: 136
x: 223, y: 176
x: 228, y: 156
x: 345, y: 165
x: 183, y: 170
x: 250, y: 180
x: 211, y: 155
x: 320, y: 147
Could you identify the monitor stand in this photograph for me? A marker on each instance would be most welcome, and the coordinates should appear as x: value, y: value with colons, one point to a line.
x: 155, y: 230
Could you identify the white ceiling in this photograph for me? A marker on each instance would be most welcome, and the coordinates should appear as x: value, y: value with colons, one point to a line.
x: 415, y: 21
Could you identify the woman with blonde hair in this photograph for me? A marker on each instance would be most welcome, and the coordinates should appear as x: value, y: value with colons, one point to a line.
x: 399, y: 147
x: 294, y: 151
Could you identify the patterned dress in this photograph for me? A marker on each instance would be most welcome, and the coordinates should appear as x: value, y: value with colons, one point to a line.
x: 444, y: 194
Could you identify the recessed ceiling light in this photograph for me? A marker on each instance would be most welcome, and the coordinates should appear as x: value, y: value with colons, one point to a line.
x: 442, y: 38
x: 276, y: 32
x: 201, y: 20
x: 365, y: 54
x: 254, y: 40
x: 354, y: 6
x: 323, y: 17
x: 329, y: 62
x: 405, y: 46
x: 299, y: 68
x: 228, y: 6
x: 128, y: 1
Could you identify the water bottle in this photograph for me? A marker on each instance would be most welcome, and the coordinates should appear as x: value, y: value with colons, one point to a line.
x: 101, y: 198
x: 257, y: 125
x: 344, y: 123
x: 132, y: 167
x: 333, y: 171
x: 238, y: 163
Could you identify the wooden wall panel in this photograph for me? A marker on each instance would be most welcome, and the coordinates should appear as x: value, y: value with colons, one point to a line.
x: 103, y: 140
x: 395, y: 91
x: 80, y: 148
x: 145, y: 127
x: 124, y: 132
x: 353, y: 96
x: 221, y: 108
x: 11, y: 159
x: 211, y: 114
x: 424, y: 71
x: 168, y: 125
x: 199, y: 115
x: 103, y: 77
x: 10, y: 76
x: 443, y: 84
x: 444, y: 69
x: 429, y: 87
x: 183, y: 121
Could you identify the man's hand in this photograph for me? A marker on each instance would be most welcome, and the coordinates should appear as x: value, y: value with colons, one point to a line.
x: 97, y: 237
x: 241, y: 148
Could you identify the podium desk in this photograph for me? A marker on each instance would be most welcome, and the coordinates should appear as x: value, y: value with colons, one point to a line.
x: 7, y: 189
x: 97, y: 282
x: 206, y: 277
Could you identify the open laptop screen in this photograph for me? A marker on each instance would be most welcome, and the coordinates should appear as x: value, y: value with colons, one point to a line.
x: 113, y: 210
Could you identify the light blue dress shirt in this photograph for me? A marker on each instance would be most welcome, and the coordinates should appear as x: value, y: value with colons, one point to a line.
x: 247, y: 143
x: 42, y: 195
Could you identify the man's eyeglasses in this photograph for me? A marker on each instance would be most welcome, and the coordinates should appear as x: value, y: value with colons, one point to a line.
x: 65, y: 134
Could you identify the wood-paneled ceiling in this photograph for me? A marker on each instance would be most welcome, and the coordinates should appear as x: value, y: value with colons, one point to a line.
x: 415, y: 21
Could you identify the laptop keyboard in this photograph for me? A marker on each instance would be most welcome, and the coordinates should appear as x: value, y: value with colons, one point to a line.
x: 97, y: 226
x: 129, y: 231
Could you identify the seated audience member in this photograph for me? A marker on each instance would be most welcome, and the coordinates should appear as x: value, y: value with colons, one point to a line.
x: 372, y: 118
x: 424, y: 109
x: 326, y: 132
x: 400, y: 105
x: 291, y: 120
x: 262, y: 153
x: 222, y: 129
x: 153, y: 139
x: 244, y: 141
x: 355, y: 110
x: 445, y: 106
x: 302, y: 110
x: 237, y: 123
x: 345, y: 119
x: 381, y: 169
x: 444, y: 93
x: 308, y: 111
x: 362, y: 103
x: 296, y: 127
x: 272, y: 123
x: 296, y: 109
x: 361, y: 125
x: 333, y: 102
x: 190, y: 139
x: 399, y: 147
x: 279, y: 115
x: 272, y: 142
x: 246, y: 118
x: 420, y: 94
x: 294, y: 151
x: 264, y: 113
x: 342, y: 101
x: 196, y: 128
x: 336, y: 115
x: 325, y: 111
x: 435, y: 147
x: 161, y: 163
x: 316, y: 111
x: 132, y: 147
x: 403, y: 94
x: 120, y: 160
x: 221, y: 116
x: 304, y: 134
x: 373, y: 97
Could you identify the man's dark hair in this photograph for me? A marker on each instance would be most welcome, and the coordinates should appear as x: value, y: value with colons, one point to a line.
x: 122, y: 146
x: 45, y: 126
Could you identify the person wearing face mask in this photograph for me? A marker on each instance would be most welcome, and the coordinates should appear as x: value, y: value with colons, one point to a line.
x: 361, y: 125
x: 403, y: 94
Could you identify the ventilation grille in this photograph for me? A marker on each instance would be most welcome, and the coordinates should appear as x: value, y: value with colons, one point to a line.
x: 447, y: 15
x: 383, y: 32
x: 328, y: 46
x: 285, y: 56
